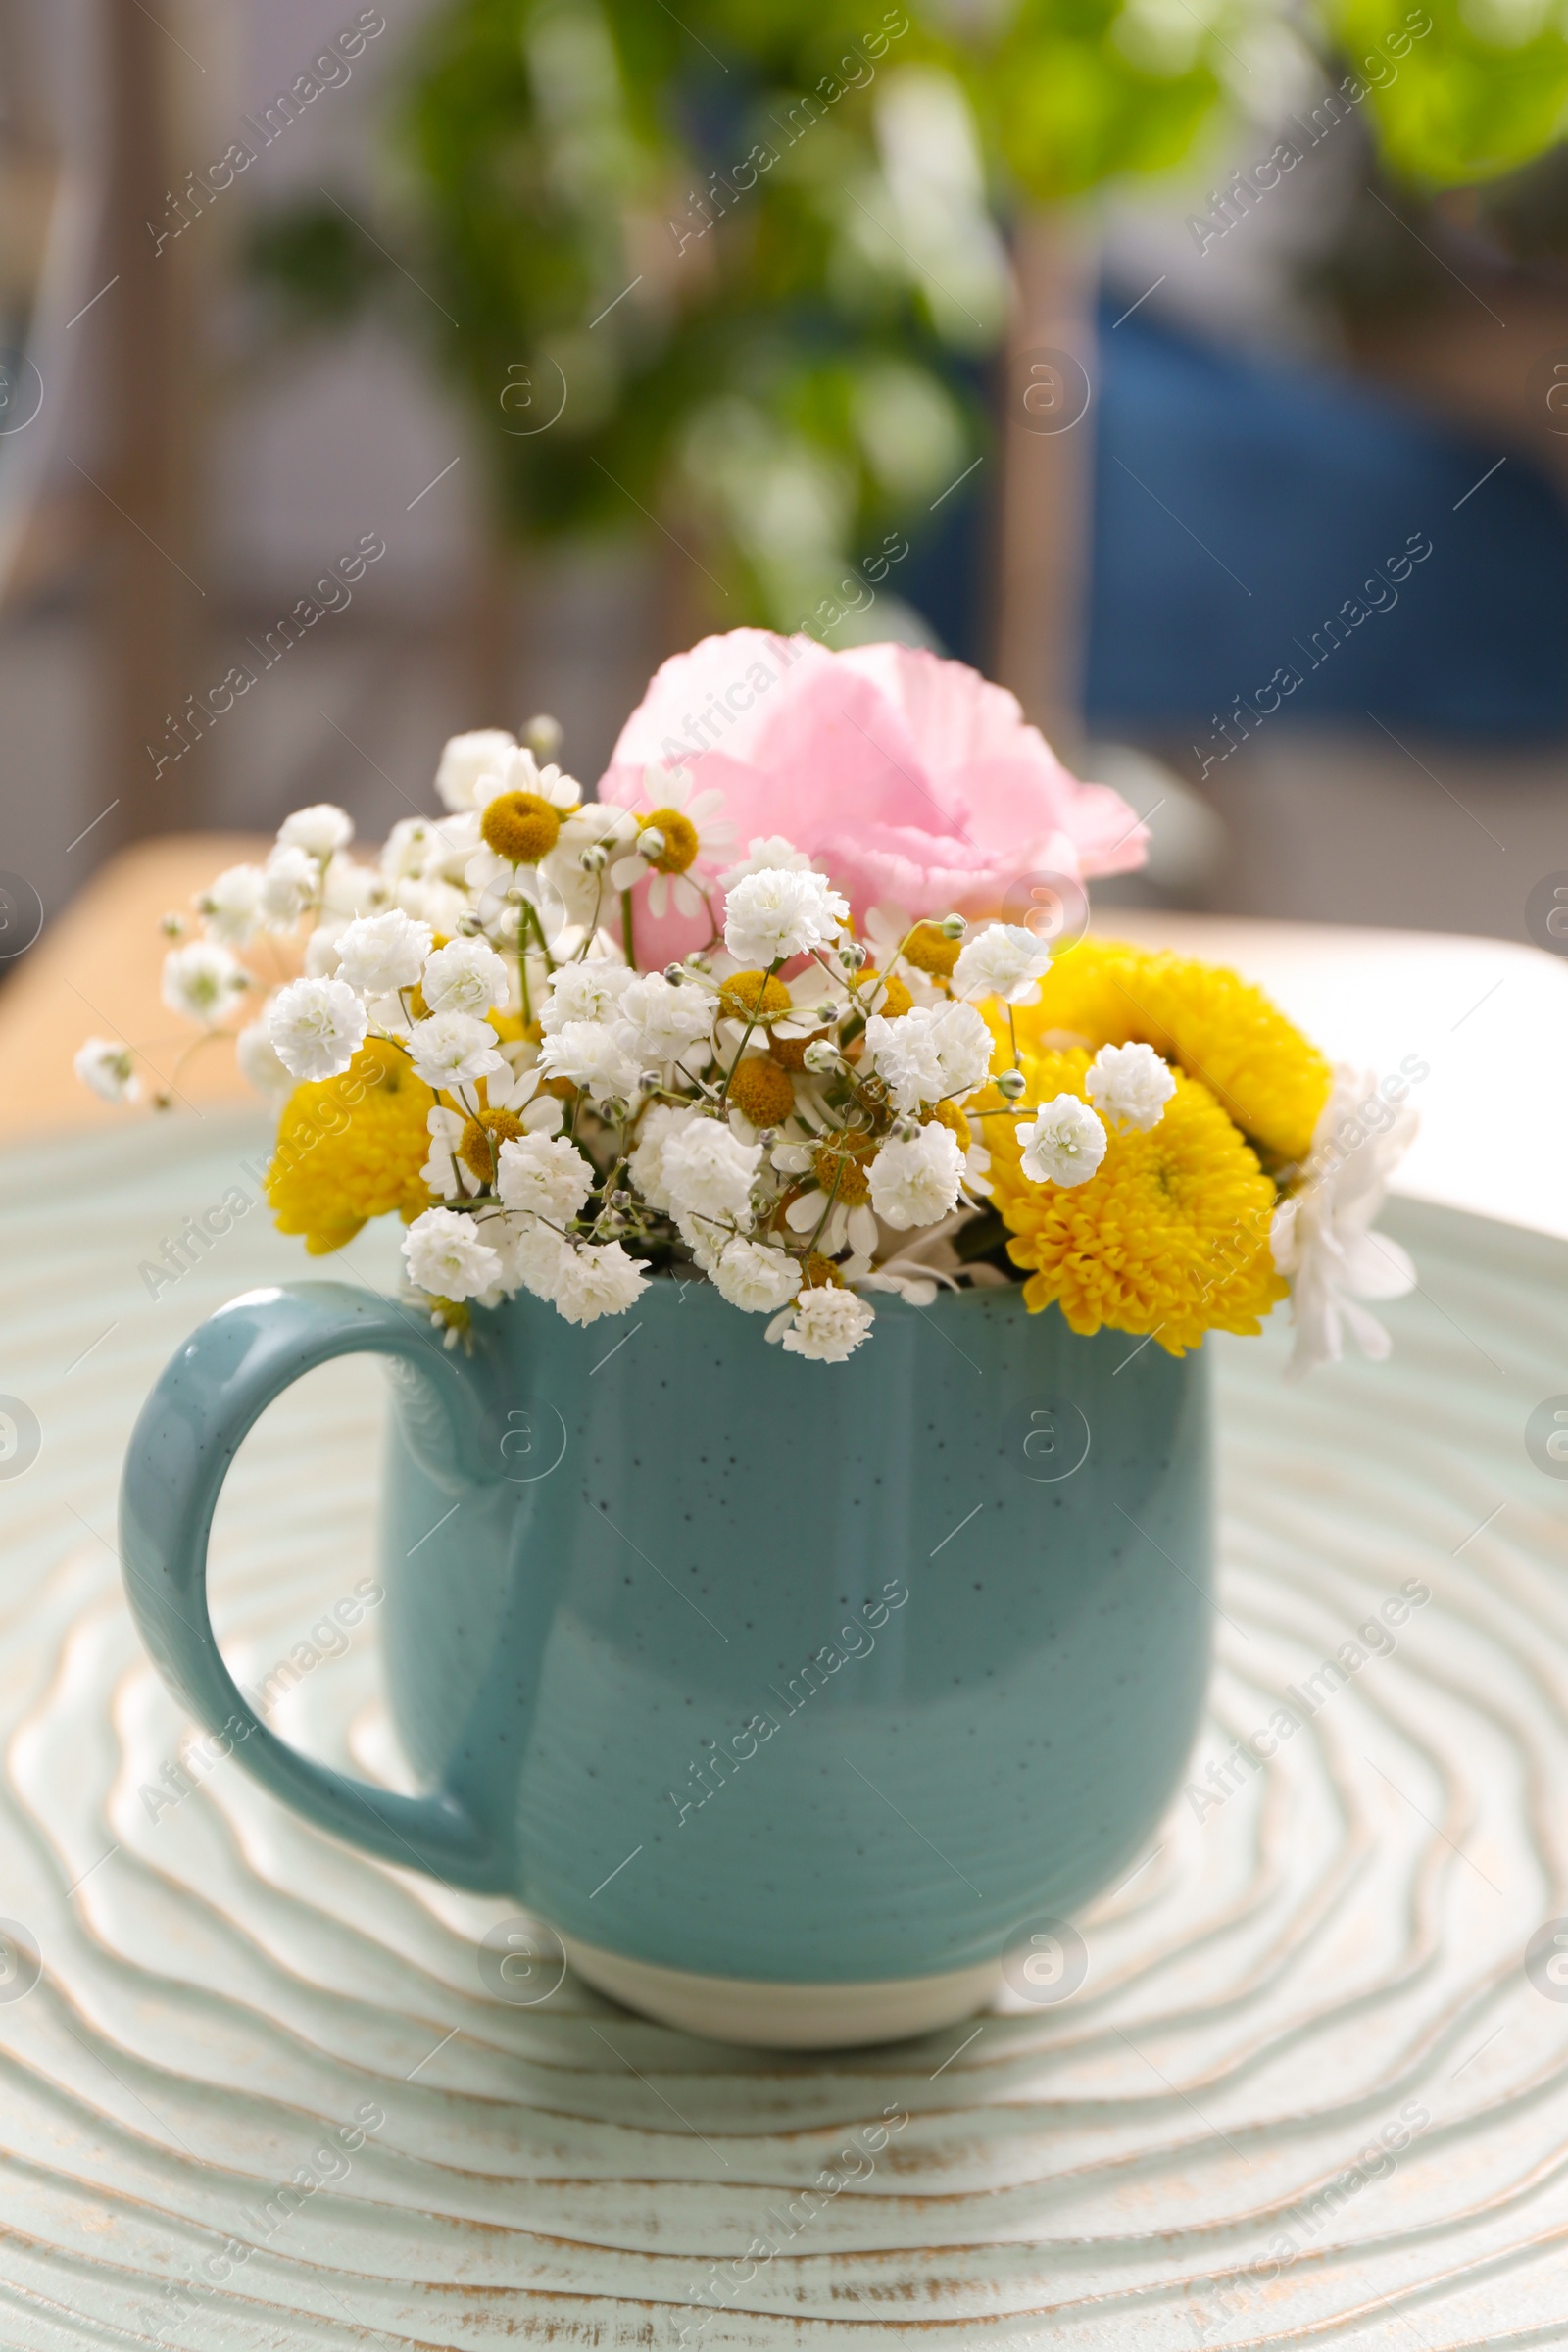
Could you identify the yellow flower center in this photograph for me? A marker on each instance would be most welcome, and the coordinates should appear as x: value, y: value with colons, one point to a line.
x: 822, y: 1274
x: 745, y: 995
x: 479, y: 1148
x: 948, y: 1115
x: 841, y: 1168
x: 681, y: 844
x: 761, y: 1092
x: 883, y: 993
x: 929, y: 948
x: 520, y: 827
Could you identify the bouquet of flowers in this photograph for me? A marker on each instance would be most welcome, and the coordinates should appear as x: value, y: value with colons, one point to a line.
x: 756, y: 1014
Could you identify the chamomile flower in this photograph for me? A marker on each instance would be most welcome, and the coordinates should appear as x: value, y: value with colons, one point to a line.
x: 683, y: 833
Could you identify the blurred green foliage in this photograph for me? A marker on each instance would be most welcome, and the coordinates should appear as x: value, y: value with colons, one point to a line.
x: 1483, y: 91
x: 734, y: 275
x: 754, y: 253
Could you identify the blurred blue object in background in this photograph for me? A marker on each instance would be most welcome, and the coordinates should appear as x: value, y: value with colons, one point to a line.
x: 1238, y: 506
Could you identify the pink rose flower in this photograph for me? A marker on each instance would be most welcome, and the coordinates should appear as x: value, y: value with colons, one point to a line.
x: 909, y: 779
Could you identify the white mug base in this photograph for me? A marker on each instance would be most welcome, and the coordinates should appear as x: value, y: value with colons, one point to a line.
x: 769, y: 2016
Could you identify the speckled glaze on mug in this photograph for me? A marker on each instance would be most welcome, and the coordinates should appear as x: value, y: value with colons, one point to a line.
x: 725, y: 1662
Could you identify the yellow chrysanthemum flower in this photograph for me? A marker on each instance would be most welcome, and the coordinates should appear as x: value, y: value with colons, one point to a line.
x: 1170, y: 1237
x: 1207, y: 1020
x: 351, y: 1148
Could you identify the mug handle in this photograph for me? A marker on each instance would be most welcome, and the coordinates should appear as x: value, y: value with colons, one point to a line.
x: 188, y: 1433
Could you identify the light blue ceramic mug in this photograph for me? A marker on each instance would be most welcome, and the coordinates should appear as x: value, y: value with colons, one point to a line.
x: 794, y: 1696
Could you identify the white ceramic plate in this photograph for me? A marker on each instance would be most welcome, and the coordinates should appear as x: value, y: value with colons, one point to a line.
x: 1309, y: 2092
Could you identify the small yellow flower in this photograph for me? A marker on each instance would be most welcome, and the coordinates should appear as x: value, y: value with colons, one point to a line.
x: 1207, y: 1020
x: 1170, y: 1237
x: 351, y: 1148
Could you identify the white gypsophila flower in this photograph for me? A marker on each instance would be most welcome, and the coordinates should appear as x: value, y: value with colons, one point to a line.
x: 349, y: 888
x: 1003, y: 960
x: 646, y: 1167
x: 930, y: 1052
x: 535, y: 1255
x: 757, y: 1280
x: 660, y: 1019
x: 317, y: 1027
x: 590, y: 990
x: 705, y: 1237
x: 290, y: 882
x: 1063, y: 1143
x: 320, y: 952
x: 466, y: 975
x: 587, y: 1052
x: 445, y: 1257
x: 202, y: 980
x: 439, y: 903
x: 915, y: 1183
x: 452, y: 1049
x: 780, y: 912
x: 467, y: 759
x: 766, y: 851
x: 452, y: 842
x: 107, y: 1068
x: 1321, y: 1232
x: 1130, y: 1085
x: 258, y: 1059
x: 231, y: 903
x: 707, y: 1171
x: 595, y: 1280
x: 318, y: 831
x: 828, y: 1324
x: 405, y: 848
x: 380, y: 953
x: 544, y: 1174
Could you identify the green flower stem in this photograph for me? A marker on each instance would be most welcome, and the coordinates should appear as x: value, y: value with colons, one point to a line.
x: 627, y: 937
